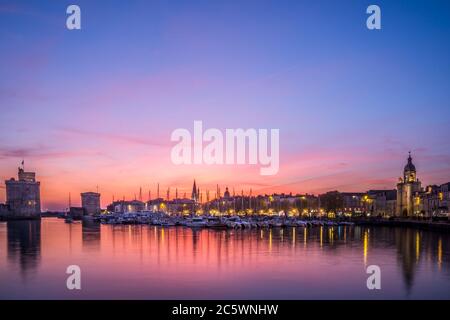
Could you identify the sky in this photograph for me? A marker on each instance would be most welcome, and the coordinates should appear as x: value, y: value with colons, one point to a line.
x: 96, y: 107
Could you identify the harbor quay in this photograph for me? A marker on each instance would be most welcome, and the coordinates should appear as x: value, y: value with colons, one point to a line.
x: 257, y: 220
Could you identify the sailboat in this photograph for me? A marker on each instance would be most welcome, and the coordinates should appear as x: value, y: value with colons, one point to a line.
x: 68, y: 218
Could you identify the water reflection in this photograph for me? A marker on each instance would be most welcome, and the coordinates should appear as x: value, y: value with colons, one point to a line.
x: 177, y: 262
x: 90, y: 234
x: 24, y: 245
x: 407, y: 254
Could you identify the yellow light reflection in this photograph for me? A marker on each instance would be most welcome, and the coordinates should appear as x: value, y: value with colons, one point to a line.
x: 270, y: 240
x: 417, y: 246
x: 293, y: 236
x: 304, y: 237
x: 321, y: 236
x: 366, y: 245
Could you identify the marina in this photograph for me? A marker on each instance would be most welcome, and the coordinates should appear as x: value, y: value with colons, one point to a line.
x: 214, y: 222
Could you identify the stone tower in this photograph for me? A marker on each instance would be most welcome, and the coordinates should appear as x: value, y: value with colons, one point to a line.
x: 90, y: 202
x: 407, y: 187
x: 23, y: 196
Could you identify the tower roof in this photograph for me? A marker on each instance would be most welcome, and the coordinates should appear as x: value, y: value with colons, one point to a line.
x: 410, y: 166
x: 195, y: 191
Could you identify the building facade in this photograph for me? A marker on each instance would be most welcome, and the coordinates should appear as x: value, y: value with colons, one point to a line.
x: 353, y: 202
x: 127, y: 206
x: 433, y: 201
x: 23, y: 196
x: 444, y: 197
x: 380, y: 203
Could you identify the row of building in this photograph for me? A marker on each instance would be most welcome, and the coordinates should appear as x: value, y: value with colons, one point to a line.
x: 409, y: 199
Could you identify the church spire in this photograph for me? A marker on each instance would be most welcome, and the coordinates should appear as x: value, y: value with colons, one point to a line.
x: 194, y: 195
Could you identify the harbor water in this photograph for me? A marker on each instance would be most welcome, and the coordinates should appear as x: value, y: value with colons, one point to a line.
x: 150, y: 262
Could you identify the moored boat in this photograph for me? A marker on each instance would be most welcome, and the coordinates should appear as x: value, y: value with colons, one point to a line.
x: 68, y: 220
x: 196, y: 222
x: 215, y: 223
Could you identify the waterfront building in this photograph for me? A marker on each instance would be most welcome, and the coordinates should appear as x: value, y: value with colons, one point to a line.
x: 332, y: 202
x: 308, y: 204
x: 180, y: 206
x: 90, y: 202
x: 155, y: 205
x: 381, y: 203
x: 135, y: 206
x: 111, y: 207
x: 127, y: 206
x: 293, y: 205
x: 289, y: 203
x: 433, y: 201
x: 408, y: 188
x: 23, y: 196
x: 428, y: 201
x: 444, y: 197
x: 372, y: 202
x: 353, y: 202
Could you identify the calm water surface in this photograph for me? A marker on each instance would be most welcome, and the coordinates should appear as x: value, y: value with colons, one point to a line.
x: 146, y: 262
